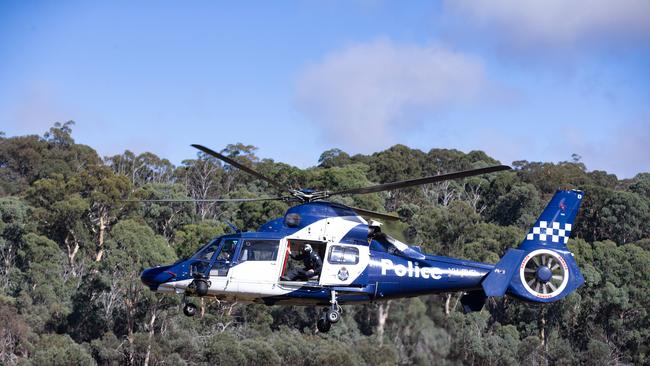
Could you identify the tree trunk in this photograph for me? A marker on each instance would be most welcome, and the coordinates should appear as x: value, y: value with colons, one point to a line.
x: 382, y: 315
x: 542, y: 336
x: 130, y: 304
x: 100, y: 241
x: 129, y: 335
x: 72, y: 252
x: 447, y: 303
x: 151, y: 332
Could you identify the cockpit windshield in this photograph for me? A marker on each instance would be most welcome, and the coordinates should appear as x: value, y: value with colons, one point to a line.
x: 206, y: 253
x: 228, y: 250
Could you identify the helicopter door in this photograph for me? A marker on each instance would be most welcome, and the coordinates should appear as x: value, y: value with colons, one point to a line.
x: 257, y: 267
x: 221, y: 266
x: 345, y: 264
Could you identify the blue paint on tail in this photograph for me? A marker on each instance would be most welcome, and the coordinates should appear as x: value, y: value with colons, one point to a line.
x: 541, y: 269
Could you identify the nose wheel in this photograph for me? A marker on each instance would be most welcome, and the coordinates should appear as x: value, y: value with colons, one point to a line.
x: 189, y: 309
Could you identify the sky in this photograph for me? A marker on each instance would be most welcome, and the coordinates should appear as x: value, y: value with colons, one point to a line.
x: 520, y: 80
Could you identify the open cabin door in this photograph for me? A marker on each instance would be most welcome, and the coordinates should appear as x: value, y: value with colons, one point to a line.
x: 345, y: 264
x: 292, y: 262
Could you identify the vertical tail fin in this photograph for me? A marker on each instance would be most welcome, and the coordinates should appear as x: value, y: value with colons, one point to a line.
x: 541, y: 269
x: 554, y: 225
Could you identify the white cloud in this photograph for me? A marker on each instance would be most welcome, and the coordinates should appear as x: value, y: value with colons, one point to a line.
x: 530, y: 24
x: 362, y: 96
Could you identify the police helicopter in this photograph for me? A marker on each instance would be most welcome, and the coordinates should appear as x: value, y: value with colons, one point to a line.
x: 349, y: 260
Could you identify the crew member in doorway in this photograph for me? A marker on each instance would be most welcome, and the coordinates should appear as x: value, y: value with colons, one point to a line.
x: 312, y: 265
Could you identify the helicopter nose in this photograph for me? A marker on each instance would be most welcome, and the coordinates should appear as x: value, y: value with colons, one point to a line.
x: 148, y: 277
x: 153, y: 277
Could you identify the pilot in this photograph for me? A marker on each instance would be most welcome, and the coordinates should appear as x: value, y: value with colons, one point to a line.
x: 312, y: 262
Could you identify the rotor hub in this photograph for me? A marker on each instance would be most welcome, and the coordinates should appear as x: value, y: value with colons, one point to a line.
x: 308, y: 195
x: 544, y: 274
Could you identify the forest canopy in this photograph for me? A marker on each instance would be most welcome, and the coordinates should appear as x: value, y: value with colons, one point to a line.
x: 72, y: 246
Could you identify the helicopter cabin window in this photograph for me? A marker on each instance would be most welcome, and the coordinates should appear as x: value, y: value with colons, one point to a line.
x: 343, y: 255
x: 259, y: 250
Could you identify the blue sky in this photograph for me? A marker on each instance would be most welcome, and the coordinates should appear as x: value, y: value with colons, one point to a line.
x: 518, y: 79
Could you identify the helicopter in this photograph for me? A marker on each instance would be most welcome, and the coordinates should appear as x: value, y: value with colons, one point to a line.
x: 359, y: 262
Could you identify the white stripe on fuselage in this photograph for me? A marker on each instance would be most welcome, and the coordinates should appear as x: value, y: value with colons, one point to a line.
x: 330, y: 229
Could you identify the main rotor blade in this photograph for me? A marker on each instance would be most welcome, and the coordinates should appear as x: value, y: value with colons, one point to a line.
x: 375, y: 214
x: 241, y: 166
x: 419, y: 181
x: 214, y: 200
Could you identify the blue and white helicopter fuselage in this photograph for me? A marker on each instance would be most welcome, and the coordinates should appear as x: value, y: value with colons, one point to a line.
x: 361, y: 264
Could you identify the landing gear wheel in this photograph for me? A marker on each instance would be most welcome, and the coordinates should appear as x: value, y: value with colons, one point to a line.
x: 323, y: 325
x: 333, y: 315
x: 189, y: 309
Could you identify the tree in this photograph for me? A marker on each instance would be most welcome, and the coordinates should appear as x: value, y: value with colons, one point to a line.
x: 45, y: 291
x: 60, y: 134
x: 14, y: 224
x: 62, y: 214
x: 333, y: 157
x: 60, y: 350
x: 191, y: 237
x: 15, y: 335
x: 164, y: 217
x: 104, y: 191
x: 201, y: 178
x: 132, y: 247
x: 59, y: 306
x: 142, y: 169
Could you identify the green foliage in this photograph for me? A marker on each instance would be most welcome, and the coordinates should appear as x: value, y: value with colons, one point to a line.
x: 191, y: 237
x: 333, y: 157
x: 72, y: 249
x: 133, y: 246
x: 41, y: 263
x: 60, y: 350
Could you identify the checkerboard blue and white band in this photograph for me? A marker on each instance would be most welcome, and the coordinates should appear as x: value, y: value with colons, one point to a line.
x: 556, y: 232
